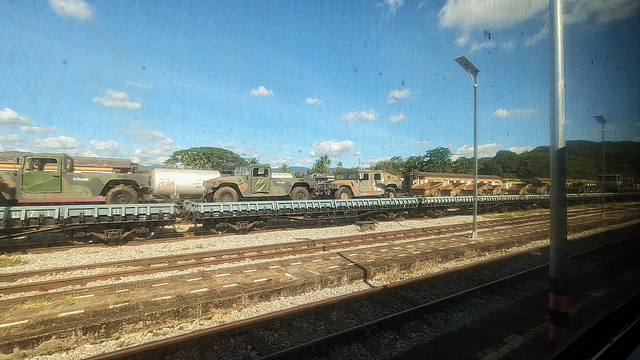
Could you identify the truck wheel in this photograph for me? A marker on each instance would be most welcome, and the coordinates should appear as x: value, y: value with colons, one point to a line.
x: 225, y: 194
x: 343, y: 193
x: 437, y: 193
x: 390, y: 193
x: 300, y: 193
x: 122, y: 194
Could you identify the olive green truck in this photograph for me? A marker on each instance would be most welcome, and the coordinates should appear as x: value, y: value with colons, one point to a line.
x: 257, y: 181
x: 50, y: 178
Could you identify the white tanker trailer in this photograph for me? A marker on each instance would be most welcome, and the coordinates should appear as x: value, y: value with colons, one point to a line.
x: 185, y: 184
x: 180, y: 183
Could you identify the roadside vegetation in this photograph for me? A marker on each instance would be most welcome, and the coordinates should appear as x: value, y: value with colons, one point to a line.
x: 8, y: 261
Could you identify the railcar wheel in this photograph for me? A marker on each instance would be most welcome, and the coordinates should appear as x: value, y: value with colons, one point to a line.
x: 390, y: 193
x: 122, y: 194
x: 225, y: 194
x: 343, y: 193
x: 300, y: 193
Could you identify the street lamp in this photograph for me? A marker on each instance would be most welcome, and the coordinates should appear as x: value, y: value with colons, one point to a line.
x: 601, y: 120
x: 473, y: 71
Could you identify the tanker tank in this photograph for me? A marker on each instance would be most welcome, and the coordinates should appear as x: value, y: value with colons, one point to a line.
x: 180, y: 183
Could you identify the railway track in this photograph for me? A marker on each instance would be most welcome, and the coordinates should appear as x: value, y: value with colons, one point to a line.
x: 405, y: 321
x: 163, y: 294
x: 136, y: 267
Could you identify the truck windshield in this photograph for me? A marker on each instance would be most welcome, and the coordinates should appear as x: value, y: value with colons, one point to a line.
x: 242, y: 170
x: 349, y: 175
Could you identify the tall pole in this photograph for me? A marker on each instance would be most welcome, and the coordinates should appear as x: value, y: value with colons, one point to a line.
x: 473, y: 71
x: 474, y: 233
x: 602, y: 120
x: 558, y: 257
x: 602, y: 212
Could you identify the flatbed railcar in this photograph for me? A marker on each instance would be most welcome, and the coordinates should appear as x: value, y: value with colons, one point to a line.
x: 112, y: 224
x: 116, y: 224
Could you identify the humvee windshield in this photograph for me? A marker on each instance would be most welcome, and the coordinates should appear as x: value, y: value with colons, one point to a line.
x: 242, y: 170
x: 348, y: 175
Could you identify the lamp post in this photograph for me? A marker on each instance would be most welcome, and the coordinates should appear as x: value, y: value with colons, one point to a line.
x: 601, y: 120
x: 558, y: 246
x: 473, y: 71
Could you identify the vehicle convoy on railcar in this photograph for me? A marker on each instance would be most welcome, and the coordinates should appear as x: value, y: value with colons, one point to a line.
x: 257, y: 181
x: 60, y: 178
x: 361, y: 183
x: 51, y: 178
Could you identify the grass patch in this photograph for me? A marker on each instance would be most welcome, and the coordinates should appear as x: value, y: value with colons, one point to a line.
x: 7, y: 261
x: 38, y: 304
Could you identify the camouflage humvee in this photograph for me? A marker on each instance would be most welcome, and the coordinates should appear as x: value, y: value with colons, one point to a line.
x: 251, y: 181
x: 356, y: 183
x: 50, y: 178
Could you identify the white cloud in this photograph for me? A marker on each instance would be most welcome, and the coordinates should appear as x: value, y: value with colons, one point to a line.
x: 156, y: 154
x: 397, y: 117
x: 118, y: 99
x: 232, y: 147
x: 636, y: 139
x: 60, y: 144
x: 360, y: 115
x: 487, y: 150
x: 11, y: 118
x: 108, y: 148
x: 304, y: 162
x: 467, y: 15
x: 395, y: 95
x: 150, y: 156
x: 72, y: 8
x: 312, y: 101
x: 140, y: 85
x: 225, y: 145
x: 393, y: 5
x: 463, y: 39
x: 507, y: 45
x: 521, y: 149
x: 423, y: 143
x: 278, y: 161
x: 10, y: 142
x: 261, y: 91
x: 159, y: 147
x: 372, y: 160
x: 598, y: 12
x: 513, y: 113
x: 332, y: 148
x: 38, y: 130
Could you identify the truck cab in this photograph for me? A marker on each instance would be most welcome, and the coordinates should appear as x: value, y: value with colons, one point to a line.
x: 50, y: 178
x: 256, y: 181
x: 362, y: 183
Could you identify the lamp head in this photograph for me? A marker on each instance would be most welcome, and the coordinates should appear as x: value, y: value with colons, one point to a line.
x: 467, y: 65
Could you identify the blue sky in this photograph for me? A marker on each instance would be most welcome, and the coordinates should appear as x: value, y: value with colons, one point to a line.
x: 289, y: 81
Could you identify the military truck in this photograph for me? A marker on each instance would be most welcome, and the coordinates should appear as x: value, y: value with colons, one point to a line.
x: 256, y: 181
x: 50, y: 178
x: 360, y: 183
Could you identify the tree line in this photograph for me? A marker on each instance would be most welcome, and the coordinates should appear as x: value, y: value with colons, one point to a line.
x: 582, y: 159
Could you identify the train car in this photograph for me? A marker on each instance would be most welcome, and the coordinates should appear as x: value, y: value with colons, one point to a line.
x: 445, y: 184
x: 116, y: 224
